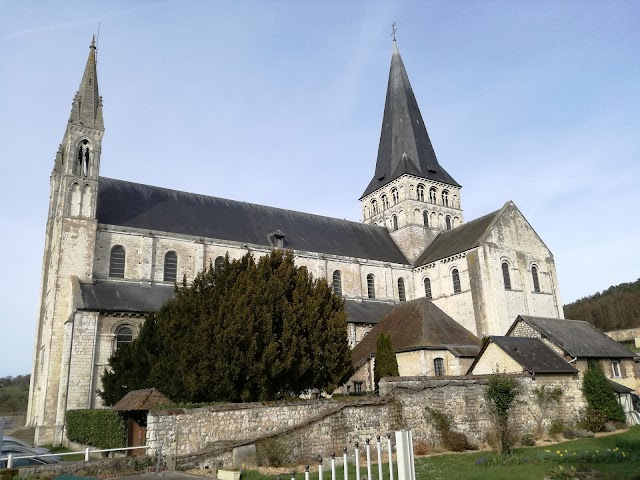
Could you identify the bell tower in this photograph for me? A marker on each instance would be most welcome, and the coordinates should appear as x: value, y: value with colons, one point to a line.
x: 68, y: 254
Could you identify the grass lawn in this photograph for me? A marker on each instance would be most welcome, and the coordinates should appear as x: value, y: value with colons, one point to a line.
x: 464, y: 465
x: 79, y: 457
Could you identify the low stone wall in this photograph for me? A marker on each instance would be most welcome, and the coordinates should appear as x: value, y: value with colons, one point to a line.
x: 307, y: 429
x: 626, y: 335
x: 111, y: 467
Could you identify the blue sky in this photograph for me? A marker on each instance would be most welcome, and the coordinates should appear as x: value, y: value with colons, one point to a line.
x: 280, y: 103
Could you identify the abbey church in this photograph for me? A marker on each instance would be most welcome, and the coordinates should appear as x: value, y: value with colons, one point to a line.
x: 114, y: 249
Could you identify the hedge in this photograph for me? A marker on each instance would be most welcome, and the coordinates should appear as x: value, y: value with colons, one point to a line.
x: 99, y: 428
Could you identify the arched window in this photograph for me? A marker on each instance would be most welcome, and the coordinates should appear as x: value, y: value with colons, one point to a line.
x: 116, y: 262
x: 170, y: 266
x: 455, y: 277
x: 534, y: 276
x: 394, y: 221
x: 454, y: 201
x: 76, y: 200
x: 420, y: 192
x: 505, y: 276
x: 124, y: 335
x: 371, y: 286
x: 447, y: 221
x: 438, y: 367
x: 394, y: 195
x: 374, y: 207
x: 385, y: 202
x: 427, y: 288
x: 82, y: 163
x: 218, y: 264
x: 425, y: 218
x: 432, y: 194
x: 445, y: 198
x: 337, y: 282
x: 402, y: 296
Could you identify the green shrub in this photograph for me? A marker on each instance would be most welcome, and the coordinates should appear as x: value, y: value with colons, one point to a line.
x: 527, y: 440
x: 501, y: 394
x: 592, y: 419
x: 557, y: 426
x: 273, y: 452
x: 569, y: 434
x: 99, y: 428
x: 452, y: 441
x: 600, y: 395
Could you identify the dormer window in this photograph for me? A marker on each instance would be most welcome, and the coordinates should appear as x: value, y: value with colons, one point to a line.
x: 277, y: 239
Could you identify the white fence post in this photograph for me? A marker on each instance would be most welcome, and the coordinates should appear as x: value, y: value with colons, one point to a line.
x: 320, y: 468
x: 404, y: 455
x: 390, y: 453
x: 413, y: 462
x: 345, y: 465
x: 333, y: 466
x: 306, y: 472
x: 379, y: 449
x: 357, y: 454
x: 86, y: 454
x: 10, y: 461
x: 368, y: 459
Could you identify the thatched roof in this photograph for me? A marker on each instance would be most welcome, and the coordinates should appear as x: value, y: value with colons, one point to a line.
x: 145, y: 399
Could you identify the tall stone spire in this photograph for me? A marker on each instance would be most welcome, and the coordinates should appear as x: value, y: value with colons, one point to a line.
x: 87, y: 104
x: 405, y: 147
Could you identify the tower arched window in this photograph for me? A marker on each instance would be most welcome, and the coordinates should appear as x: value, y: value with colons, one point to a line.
x: 455, y: 278
x: 438, y: 367
x: 534, y: 277
x: 394, y: 222
x: 82, y: 164
x: 371, y: 286
x: 117, y: 262
x: 337, y: 282
x: 402, y: 295
x: 124, y: 336
x: 505, y: 276
x: 427, y: 288
x: 445, y: 198
x: 374, y: 207
x: 432, y: 194
x: 447, y: 221
x: 394, y: 195
x: 170, y: 266
x: 425, y: 218
x: 420, y: 192
x: 385, y: 202
x: 218, y: 264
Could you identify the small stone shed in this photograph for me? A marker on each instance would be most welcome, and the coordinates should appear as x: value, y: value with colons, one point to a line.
x: 135, y: 406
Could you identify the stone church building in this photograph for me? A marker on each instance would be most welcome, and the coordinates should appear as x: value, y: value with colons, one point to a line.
x: 113, y: 250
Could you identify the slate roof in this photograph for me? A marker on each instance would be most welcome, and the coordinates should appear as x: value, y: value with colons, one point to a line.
x: 109, y: 296
x: 532, y: 354
x: 460, y: 239
x: 417, y: 325
x: 145, y: 399
x: 576, y: 337
x: 405, y: 146
x: 146, y: 207
x: 619, y: 388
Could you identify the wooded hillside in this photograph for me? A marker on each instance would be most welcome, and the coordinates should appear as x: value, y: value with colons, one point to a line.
x: 615, y: 308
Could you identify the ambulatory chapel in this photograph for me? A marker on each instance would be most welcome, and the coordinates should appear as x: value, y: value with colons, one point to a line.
x: 114, y: 250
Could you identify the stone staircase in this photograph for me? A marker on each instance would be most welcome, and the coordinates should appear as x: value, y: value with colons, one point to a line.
x: 26, y: 434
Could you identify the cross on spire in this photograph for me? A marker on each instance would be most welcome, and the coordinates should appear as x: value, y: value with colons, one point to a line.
x: 393, y: 31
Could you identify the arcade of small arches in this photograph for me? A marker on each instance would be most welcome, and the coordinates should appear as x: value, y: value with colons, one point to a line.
x: 426, y: 218
x: 435, y: 195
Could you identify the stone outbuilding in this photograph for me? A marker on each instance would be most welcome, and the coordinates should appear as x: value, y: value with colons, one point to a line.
x: 427, y: 341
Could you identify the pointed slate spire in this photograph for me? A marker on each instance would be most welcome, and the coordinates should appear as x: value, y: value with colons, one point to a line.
x: 87, y: 103
x: 405, y: 146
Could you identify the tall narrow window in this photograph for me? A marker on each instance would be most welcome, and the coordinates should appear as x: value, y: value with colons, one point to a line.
x: 427, y: 288
x: 420, y: 191
x: 505, y: 276
x: 337, y: 282
x: 394, y: 195
x: 445, y: 198
x: 534, y: 276
x: 218, y: 264
x: 124, y: 335
x: 455, y: 277
x: 447, y: 221
x: 170, y: 266
x: 432, y: 194
x: 117, y: 261
x: 385, y: 202
x: 371, y: 286
x: 374, y: 207
x: 402, y: 296
x: 438, y: 367
x: 394, y: 221
x: 615, y: 369
x: 425, y: 218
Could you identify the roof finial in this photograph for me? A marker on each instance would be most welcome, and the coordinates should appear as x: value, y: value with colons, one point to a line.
x: 393, y: 31
x: 93, y: 41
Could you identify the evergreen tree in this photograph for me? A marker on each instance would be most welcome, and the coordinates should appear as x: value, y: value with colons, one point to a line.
x: 249, y: 331
x: 386, y: 364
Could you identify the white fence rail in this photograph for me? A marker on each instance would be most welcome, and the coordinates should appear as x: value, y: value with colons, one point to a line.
x: 87, y: 454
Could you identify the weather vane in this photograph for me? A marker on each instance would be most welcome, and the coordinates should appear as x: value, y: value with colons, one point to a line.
x: 393, y: 31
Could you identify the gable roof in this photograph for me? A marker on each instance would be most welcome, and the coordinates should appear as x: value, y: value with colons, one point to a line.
x: 135, y: 297
x: 460, y: 239
x: 416, y: 325
x: 531, y: 353
x: 145, y: 399
x: 146, y: 207
x: 576, y: 337
x: 405, y: 146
